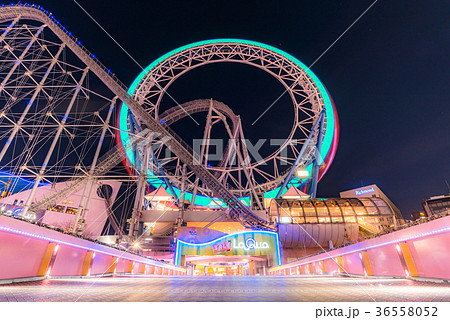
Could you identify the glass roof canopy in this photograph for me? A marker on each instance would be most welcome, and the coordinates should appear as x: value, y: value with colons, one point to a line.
x: 333, y: 210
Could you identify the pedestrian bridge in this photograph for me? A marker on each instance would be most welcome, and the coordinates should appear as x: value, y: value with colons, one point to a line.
x: 32, y: 252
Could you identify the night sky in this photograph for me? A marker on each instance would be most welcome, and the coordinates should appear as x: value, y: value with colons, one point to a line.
x: 388, y: 75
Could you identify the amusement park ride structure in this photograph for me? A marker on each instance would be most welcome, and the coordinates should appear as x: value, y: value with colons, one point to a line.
x: 58, y: 100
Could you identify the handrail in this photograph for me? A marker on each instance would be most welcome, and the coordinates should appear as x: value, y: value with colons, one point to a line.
x: 117, y: 247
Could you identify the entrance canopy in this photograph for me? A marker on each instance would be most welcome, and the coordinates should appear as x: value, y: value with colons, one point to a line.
x: 247, y: 243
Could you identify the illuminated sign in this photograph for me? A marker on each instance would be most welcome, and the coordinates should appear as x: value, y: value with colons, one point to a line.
x: 221, y: 247
x: 364, y: 191
x: 255, y: 243
x: 250, y: 244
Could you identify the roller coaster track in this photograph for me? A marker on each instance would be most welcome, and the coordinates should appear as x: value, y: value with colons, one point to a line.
x: 238, y: 211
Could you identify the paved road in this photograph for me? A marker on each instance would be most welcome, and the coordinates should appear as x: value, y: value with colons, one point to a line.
x: 239, y: 288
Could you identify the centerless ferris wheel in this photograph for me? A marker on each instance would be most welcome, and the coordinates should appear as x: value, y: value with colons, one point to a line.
x: 246, y: 178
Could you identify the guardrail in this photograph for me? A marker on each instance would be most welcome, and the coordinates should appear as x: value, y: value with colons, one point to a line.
x: 417, y: 251
x: 31, y: 250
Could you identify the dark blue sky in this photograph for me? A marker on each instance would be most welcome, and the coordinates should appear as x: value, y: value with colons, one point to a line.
x: 388, y: 75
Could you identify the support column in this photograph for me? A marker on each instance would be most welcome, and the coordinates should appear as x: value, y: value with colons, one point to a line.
x: 114, y: 261
x: 181, y: 199
x: 250, y: 179
x: 142, y: 268
x: 310, y: 268
x: 88, y: 261
x: 151, y: 270
x: 322, y: 265
x: 138, y: 200
x: 130, y: 266
x: 316, y: 166
x: 251, y: 268
x: 47, y: 261
x: 366, y: 263
x: 301, y: 154
x: 340, y: 263
x: 406, y: 254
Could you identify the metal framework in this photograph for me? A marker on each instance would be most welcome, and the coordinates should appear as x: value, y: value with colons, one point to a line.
x: 310, y: 153
x: 237, y: 209
x: 53, y: 110
x: 241, y: 175
x: 49, y: 107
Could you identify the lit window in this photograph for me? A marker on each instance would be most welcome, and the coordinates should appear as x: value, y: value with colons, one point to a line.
x: 285, y: 219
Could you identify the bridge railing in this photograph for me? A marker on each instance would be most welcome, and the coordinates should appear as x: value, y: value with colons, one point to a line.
x: 419, y: 251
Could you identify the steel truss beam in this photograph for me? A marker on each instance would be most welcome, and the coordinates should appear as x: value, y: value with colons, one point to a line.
x: 238, y: 210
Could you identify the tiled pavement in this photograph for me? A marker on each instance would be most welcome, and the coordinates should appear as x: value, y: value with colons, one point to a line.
x: 210, y: 288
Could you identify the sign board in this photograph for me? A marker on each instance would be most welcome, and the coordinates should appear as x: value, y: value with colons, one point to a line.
x: 364, y: 191
x: 252, y: 243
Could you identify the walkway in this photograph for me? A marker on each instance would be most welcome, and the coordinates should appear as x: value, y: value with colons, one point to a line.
x: 210, y: 288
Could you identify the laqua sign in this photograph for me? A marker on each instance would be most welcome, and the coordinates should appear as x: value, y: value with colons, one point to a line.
x: 250, y: 244
x: 255, y: 243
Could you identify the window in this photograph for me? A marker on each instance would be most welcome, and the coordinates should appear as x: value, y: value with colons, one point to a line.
x: 57, y: 208
x: 71, y: 210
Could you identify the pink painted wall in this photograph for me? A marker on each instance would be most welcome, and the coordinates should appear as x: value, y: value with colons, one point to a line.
x: 122, y: 265
x: 429, y: 244
x: 431, y: 256
x: 331, y: 266
x: 317, y: 268
x: 136, y: 267
x: 385, y: 261
x: 101, y: 264
x: 305, y: 269
x: 20, y: 257
x: 68, y: 261
x: 157, y: 270
x: 22, y: 250
x: 352, y: 264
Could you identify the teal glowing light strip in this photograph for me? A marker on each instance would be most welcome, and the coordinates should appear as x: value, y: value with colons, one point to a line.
x: 202, y: 200
x: 253, y: 232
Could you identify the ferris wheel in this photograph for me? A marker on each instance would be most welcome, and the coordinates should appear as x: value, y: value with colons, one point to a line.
x: 246, y: 178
